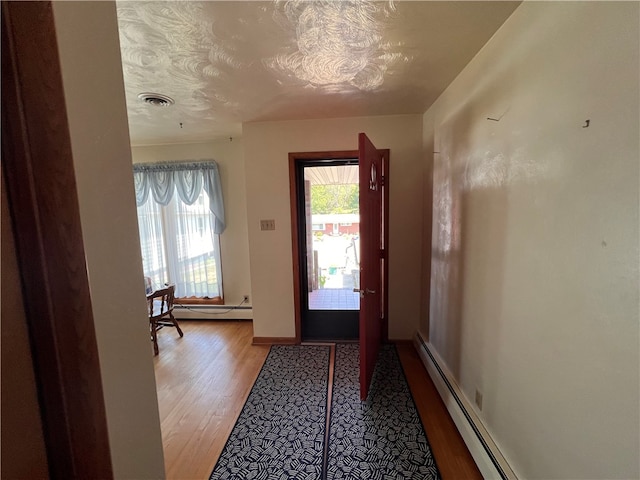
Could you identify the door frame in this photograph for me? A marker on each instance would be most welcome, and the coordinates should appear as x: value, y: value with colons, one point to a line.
x: 300, y: 158
x: 38, y: 167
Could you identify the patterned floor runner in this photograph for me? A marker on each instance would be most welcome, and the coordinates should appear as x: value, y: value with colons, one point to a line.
x: 383, y: 437
x: 280, y: 431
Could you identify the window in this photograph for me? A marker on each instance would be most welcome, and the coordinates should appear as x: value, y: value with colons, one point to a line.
x: 317, y: 226
x: 178, y: 240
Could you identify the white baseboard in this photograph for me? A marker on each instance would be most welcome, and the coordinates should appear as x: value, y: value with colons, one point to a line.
x: 484, y: 451
x: 213, y: 312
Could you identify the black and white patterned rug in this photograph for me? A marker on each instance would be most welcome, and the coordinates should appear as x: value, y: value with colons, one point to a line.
x: 381, y: 438
x: 280, y: 431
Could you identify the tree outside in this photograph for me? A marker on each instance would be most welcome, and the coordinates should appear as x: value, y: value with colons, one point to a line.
x: 334, y: 199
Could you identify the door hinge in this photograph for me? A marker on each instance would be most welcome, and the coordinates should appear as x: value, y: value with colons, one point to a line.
x: 382, y: 253
x: 382, y: 181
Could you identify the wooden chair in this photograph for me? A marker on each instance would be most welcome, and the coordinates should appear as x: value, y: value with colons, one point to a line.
x: 161, y: 312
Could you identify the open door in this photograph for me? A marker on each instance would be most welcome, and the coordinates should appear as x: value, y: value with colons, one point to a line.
x: 372, y: 258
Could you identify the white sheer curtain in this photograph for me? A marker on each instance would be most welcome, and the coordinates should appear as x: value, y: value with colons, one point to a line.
x: 152, y: 243
x: 179, y: 233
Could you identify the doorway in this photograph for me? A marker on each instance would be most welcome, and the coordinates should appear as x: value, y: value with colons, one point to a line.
x: 326, y: 306
x: 327, y: 205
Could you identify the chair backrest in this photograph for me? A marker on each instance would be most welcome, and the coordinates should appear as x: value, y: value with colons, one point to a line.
x: 161, y: 301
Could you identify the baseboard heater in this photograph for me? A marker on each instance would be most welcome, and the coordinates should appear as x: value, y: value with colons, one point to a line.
x: 213, y: 312
x: 484, y: 451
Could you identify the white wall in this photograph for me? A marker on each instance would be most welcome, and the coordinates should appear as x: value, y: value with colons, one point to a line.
x: 267, y: 145
x: 90, y: 57
x: 234, y: 243
x: 534, y: 282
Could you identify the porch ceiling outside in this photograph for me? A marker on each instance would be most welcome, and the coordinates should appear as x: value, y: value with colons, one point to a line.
x: 332, y: 175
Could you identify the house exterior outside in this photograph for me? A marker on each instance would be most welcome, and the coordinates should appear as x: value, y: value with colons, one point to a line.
x: 336, y: 223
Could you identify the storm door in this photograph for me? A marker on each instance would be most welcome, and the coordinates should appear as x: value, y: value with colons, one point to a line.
x: 329, y: 249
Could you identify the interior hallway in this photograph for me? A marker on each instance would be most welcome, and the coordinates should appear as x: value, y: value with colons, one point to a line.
x: 204, y: 378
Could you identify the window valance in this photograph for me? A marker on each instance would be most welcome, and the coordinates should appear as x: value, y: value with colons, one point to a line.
x: 187, y: 178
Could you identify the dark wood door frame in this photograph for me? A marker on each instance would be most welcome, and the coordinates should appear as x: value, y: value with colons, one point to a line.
x: 42, y: 199
x: 309, y: 157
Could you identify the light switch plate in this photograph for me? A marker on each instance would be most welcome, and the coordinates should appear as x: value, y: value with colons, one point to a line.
x: 267, y: 224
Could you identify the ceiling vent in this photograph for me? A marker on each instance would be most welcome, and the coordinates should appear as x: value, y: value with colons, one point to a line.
x: 156, y: 99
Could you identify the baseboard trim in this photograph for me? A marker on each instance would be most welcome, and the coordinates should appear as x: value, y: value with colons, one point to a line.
x: 483, y: 449
x: 274, y: 341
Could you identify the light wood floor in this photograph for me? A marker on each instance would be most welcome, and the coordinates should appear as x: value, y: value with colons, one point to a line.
x: 204, y: 378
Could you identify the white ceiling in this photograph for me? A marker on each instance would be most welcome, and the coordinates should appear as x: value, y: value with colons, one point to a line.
x: 229, y: 62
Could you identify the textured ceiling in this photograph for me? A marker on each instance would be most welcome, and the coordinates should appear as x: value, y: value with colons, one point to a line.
x: 225, y: 63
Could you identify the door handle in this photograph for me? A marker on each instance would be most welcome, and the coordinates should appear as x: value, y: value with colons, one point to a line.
x: 362, y: 292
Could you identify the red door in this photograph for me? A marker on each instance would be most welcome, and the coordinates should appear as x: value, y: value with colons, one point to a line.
x: 371, y: 241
